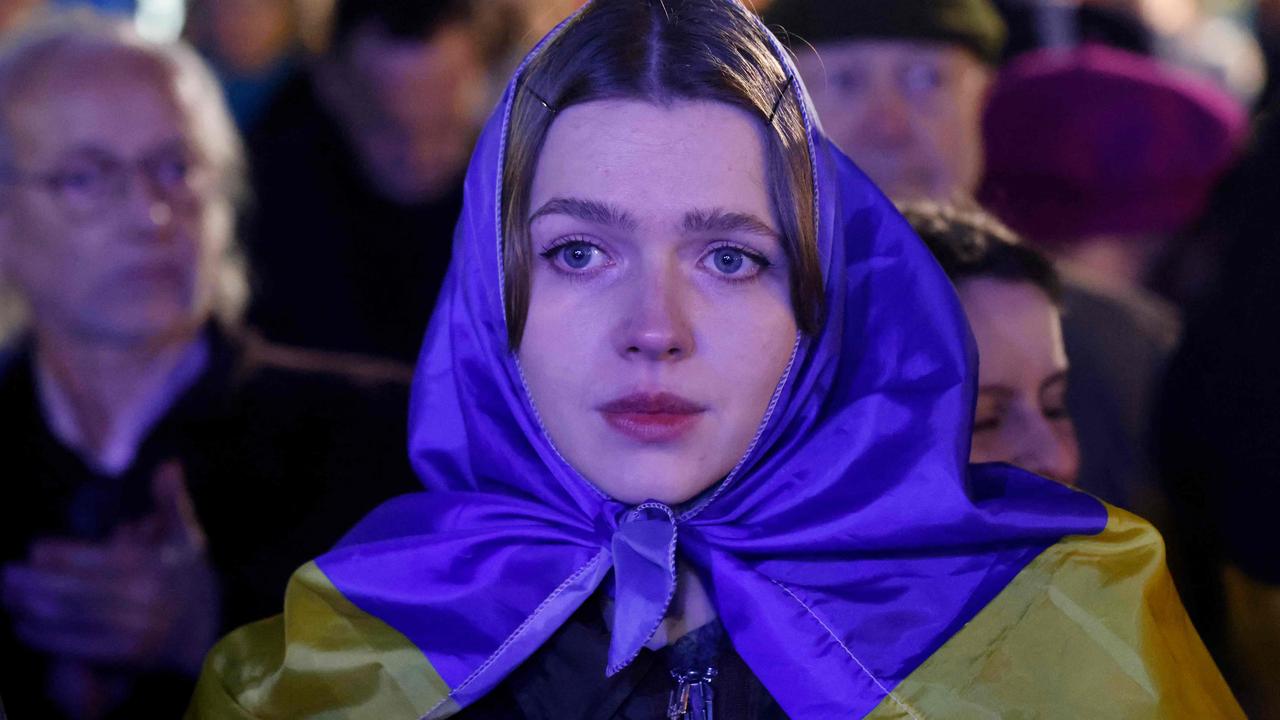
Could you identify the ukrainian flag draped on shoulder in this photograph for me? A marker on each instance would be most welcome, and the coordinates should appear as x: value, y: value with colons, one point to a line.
x: 859, y: 566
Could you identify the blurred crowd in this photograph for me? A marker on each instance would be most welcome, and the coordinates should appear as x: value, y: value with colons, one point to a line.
x: 218, y: 256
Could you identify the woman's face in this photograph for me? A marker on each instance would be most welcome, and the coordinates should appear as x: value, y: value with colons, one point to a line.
x: 660, y: 319
x: 1021, y: 417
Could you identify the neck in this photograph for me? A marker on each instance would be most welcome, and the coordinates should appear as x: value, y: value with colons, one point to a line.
x: 101, y: 378
x: 690, y: 609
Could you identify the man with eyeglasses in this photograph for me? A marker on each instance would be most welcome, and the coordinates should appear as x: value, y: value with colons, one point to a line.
x: 164, y: 472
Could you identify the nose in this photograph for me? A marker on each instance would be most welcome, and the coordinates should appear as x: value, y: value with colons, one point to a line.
x: 1050, y: 452
x: 887, y: 117
x: 657, y: 325
x: 147, y: 206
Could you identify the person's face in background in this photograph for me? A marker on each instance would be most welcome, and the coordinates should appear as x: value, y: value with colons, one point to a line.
x: 544, y: 15
x: 1163, y: 16
x: 1021, y: 418
x: 245, y: 36
x: 660, y: 319
x: 106, y: 231
x: 14, y: 12
x: 909, y: 113
x: 411, y: 108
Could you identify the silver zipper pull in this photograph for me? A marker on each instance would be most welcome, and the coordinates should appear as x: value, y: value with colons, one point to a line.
x: 693, y: 697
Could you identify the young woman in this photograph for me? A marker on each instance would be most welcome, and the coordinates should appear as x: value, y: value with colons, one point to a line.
x: 1010, y: 294
x: 694, y: 410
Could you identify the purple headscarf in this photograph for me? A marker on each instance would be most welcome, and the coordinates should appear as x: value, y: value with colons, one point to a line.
x: 849, y: 543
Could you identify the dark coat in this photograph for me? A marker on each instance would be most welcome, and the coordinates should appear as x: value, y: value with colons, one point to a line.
x: 565, y: 679
x: 1218, y: 425
x: 1119, y: 344
x: 281, y: 449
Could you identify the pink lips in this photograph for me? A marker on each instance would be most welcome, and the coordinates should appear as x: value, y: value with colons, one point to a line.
x: 652, y: 418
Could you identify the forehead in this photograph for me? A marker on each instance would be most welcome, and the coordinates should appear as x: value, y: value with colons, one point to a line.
x: 116, y: 102
x: 391, y: 59
x: 882, y: 51
x: 1017, y: 328
x: 655, y: 158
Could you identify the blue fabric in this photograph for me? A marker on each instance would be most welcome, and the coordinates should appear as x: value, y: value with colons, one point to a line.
x: 849, y: 544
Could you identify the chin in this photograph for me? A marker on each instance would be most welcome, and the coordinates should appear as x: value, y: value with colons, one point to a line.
x: 660, y: 482
x: 144, y: 325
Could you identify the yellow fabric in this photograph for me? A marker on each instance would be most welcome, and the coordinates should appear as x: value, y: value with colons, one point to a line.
x: 323, y: 659
x: 1091, y: 629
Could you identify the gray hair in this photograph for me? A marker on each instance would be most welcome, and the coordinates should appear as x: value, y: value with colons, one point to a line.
x: 51, y: 41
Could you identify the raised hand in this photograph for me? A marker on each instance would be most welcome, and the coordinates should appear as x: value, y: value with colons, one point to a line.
x: 145, y: 600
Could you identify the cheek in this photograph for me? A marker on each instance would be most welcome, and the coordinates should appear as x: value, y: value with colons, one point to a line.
x: 1065, y: 432
x: 983, y: 448
x: 563, y: 318
x: 63, y: 285
x: 748, y: 343
x: 45, y: 263
x: 942, y: 132
x: 753, y: 335
x: 562, y: 343
x: 994, y: 446
x: 844, y: 120
x: 958, y: 123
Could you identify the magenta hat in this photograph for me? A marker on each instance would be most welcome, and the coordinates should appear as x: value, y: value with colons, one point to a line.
x: 1093, y: 140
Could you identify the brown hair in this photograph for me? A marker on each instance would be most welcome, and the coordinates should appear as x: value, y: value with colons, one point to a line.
x: 663, y: 51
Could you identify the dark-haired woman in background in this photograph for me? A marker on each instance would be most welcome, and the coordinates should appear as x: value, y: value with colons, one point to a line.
x: 1011, y: 296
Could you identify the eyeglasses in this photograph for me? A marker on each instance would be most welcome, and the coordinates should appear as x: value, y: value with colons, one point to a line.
x: 90, y: 182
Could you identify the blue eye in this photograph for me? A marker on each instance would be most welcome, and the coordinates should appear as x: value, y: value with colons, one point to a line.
x: 733, y: 263
x: 577, y: 255
x: 729, y: 261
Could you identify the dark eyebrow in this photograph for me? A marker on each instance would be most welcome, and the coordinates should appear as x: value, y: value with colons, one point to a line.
x: 592, y: 211
x: 724, y: 221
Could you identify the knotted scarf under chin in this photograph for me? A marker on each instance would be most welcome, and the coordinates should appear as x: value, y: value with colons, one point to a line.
x: 644, y: 569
